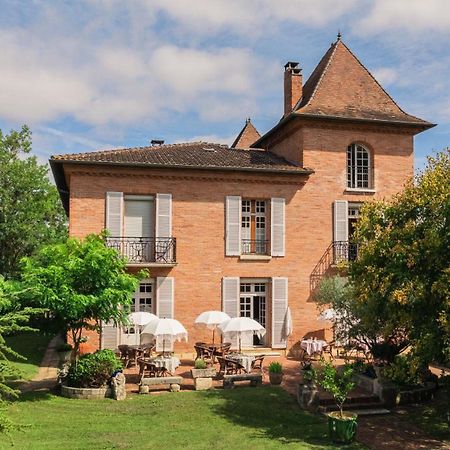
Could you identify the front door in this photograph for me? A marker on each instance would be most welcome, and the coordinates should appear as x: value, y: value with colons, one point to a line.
x: 253, y: 304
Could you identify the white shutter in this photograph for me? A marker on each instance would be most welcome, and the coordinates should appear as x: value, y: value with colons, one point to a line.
x: 138, y: 220
x: 277, y: 226
x: 279, y: 309
x: 109, y: 335
x: 114, y: 213
x: 230, y: 302
x: 340, y: 225
x: 163, y: 215
x: 164, y: 306
x: 233, y: 226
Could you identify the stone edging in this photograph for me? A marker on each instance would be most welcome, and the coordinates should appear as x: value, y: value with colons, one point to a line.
x: 86, y: 393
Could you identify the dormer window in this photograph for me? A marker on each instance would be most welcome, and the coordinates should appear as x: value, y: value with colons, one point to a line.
x: 359, y: 167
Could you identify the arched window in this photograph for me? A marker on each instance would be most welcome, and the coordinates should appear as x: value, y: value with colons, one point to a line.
x: 359, y: 167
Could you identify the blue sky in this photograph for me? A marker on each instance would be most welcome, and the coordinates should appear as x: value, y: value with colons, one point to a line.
x: 87, y: 75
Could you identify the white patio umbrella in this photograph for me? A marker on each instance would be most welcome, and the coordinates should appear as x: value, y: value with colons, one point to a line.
x: 211, y: 320
x: 241, y: 326
x: 327, y: 315
x: 165, y: 329
x: 139, y: 319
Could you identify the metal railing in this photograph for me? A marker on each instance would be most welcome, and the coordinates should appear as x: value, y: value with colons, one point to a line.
x: 254, y: 247
x: 139, y: 250
x: 344, y: 251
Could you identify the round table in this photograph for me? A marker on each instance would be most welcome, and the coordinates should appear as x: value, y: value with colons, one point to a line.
x: 312, y: 346
x: 244, y: 360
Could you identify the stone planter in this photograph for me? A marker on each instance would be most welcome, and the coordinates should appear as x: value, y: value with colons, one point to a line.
x: 308, y: 397
x: 203, y: 373
x: 203, y: 384
x: 275, y: 378
x: 86, y: 393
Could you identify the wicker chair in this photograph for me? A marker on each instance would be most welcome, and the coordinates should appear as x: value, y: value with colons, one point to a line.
x: 204, y: 353
x: 257, y: 364
x: 229, y: 367
x: 127, y: 355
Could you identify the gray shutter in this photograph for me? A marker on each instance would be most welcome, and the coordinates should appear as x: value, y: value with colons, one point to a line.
x: 109, y: 335
x: 340, y: 225
x: 279, y: 309
x: 277, y: 226
x: 164, y: 305
x: 230, y: 301
x: 163, y: 215
x: 233, y: 226
x: 114, y: 213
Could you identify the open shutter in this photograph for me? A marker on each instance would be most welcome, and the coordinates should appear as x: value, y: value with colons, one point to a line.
x: 109, y: 335
x: 230, y: 301
x: 233, y: 226
x: 114, y: 213
x: 163, y: 215
x: 164, y: 306
x: 279, y: 310
x: 340, y: 220
x: 277, y: 226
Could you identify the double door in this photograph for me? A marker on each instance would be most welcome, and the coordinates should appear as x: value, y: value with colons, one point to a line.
x: 252, y: 303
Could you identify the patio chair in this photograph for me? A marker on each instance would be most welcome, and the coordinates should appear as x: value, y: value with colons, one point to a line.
x: 204, y: 353
x: 257, y: 364
x: 223, y: 350
x: 229, y: 367
x: 126, y: 355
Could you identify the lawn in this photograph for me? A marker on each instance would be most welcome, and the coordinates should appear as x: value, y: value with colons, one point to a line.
x: 32, y: 346
x: 244, y: 418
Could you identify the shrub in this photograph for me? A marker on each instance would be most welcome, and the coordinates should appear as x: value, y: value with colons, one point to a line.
x: 93, y: 369
x: 275, y: 367
x: 200, y: 364
x: 404, y: 370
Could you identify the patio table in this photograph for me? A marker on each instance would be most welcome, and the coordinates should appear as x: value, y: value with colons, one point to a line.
x: 168, y: 363
x: 244, y: 360
x: 312, y: 346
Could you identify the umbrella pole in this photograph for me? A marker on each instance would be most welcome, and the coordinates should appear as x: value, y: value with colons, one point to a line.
x: 213, y: 335
x: 239, y: 343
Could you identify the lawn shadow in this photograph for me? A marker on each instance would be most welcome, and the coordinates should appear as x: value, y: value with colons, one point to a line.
x: 36, y: 395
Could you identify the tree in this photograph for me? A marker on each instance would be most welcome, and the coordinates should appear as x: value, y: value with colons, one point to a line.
x: 31, y: 214
x: 401, y: 278
x: 81, y: 283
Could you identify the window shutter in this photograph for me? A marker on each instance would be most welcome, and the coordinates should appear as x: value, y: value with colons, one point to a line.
x: 277, y: 226
x: 233, y: 226
x: 114, y: 213
x: 279, y: 310
x: 340, y: 220
x: 230, y: 301
x: 164, y: 306
x: 109, y: 335
x: 163, y: 215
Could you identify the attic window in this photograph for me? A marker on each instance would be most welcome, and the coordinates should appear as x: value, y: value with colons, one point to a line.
x: 359, y: 167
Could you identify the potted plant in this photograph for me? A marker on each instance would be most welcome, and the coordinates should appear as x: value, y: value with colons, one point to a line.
x: 201, y: 370
x: 307, y: 392
x: 275, y: 372
x: 341, y: 425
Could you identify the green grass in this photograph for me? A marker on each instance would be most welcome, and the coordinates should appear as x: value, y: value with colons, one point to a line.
x: 31, y: 345
x: 244, y: 418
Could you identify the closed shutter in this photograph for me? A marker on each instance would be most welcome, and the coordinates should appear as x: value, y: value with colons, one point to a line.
x: 164, y: 306
x: 340, y: 225
x: 233, y: 226
x: 109, y: 335
x: 279, y: 310
x: 277, y: 226
x: 138, y: 220
x: 114, y: 213
x: 230, y: 302
x: 163, y: 215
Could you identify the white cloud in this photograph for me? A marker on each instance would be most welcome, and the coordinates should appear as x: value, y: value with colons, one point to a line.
x: 385, y: 75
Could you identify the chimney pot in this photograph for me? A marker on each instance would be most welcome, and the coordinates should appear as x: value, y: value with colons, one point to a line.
x: 154, y: 142
x: 293, y: 81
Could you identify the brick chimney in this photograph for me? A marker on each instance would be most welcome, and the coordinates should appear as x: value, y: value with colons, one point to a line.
x: 292, y: 86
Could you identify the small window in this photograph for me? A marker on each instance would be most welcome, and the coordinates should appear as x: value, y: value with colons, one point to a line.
x: 359, y: 168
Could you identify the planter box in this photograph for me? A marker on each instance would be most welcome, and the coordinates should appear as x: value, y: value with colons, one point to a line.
x: 86, y: 393
x: 203, y: 373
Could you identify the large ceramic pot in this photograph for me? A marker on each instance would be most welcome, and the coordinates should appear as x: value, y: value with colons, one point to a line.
x: 342, y: 429
x: 275, y: 378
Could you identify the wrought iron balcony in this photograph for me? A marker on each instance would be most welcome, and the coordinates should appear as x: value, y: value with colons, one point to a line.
x: 344, y: 251
x: 254, y: 247
x: 145, y: 250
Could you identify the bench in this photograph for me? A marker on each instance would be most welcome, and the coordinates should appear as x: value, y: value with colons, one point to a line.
x: 174, y: 383
x: 254, y: 378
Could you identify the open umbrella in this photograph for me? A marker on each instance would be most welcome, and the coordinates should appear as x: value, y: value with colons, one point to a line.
x: 211, y: 320
x: 327, y: 315
x: 139, y: 319
x: 241, y: 327
x: 165, y: 329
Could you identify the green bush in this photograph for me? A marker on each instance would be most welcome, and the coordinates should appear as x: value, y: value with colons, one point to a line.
x: 93, y: 369
x: 275, y: 367
x: 404, y: 370
x: 200, y: 364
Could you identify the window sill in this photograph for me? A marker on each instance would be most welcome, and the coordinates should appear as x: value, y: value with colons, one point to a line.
x: 255, y: 257
x: 360, y: 190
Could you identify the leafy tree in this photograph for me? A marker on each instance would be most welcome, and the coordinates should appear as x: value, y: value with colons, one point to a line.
x: 81, y: 283
x: 401, y: 278
x: 30, y: 211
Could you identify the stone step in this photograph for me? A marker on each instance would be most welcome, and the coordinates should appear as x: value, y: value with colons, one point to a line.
x: 372, y: 399
x: 359, y: 408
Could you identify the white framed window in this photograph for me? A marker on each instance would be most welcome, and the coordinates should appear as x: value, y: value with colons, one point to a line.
x: 359, y: 167
x: 143, y: 299
x: 253, y: 227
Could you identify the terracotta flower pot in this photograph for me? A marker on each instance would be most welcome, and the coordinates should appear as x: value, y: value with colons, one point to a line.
x: 275, y: 378
x: 342, y: 429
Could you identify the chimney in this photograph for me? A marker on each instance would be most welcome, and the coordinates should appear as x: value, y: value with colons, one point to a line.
x: 292, y: 86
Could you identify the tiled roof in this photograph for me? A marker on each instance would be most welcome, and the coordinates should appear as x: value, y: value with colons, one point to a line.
x: 340, y: 86
x: 248, y: 135
x: 192, y: 155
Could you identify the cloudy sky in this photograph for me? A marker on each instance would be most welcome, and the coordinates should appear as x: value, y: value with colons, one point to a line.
x: 96, y: 74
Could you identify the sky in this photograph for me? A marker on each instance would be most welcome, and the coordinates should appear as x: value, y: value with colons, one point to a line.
x: 96, y: 74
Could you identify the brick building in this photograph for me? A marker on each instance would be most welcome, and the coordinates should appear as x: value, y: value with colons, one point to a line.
x: 250, y: 228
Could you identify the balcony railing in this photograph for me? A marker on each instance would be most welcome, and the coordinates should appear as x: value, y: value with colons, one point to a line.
x: 254, y: 247
x: 344, y: 251
x: 145, y: 250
